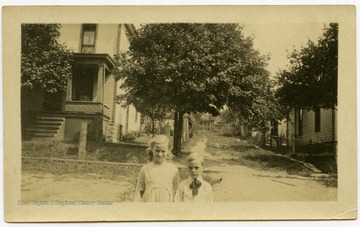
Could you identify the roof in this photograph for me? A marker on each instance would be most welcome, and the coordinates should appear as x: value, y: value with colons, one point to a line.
x: 131, y: 29
x: 110, y: 63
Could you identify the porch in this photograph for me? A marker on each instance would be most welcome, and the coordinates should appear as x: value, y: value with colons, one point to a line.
x: 89, y: 97
x: 87, y: 108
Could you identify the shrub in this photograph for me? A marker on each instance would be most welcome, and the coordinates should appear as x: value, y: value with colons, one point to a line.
x: 229, y: 130
x: 130, y: 136
x: 256, y: 140
x: 110, y: 135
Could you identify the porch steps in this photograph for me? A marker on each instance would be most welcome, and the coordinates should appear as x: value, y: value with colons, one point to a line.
x: 42, y: 128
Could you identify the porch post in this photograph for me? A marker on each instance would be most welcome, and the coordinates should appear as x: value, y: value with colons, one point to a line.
x: 100, y: 81
x: 69, y: 90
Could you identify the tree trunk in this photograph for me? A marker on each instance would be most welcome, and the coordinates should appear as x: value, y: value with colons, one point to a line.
x: 263, y: 138
x: 178, y: 126
x: 153, y: 127
x: 160, y: 127
x: 176, y: 119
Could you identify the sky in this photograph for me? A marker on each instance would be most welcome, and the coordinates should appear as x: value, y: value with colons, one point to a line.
x: 277, y: 39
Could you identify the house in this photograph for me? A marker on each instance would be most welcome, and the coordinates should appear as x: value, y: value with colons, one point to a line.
x: 309, y: 128
x: 91, y: 92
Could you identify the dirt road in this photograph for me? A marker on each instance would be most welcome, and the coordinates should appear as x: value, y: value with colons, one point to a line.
x: 239, y: 183
x: 39, y: 187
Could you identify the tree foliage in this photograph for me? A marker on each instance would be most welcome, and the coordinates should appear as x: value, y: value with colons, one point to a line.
x: 44, y: 62
x: 191, y: 68
x: 310, y: 82
x: 256, y: 104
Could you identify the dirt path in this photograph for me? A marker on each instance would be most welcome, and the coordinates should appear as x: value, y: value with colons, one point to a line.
x: 90, y: 187
x: 240, y: 183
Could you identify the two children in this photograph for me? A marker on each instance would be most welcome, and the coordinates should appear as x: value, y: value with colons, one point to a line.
x: 158, y: 180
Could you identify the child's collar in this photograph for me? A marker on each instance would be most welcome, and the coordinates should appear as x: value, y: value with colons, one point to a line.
x: 200, y: 178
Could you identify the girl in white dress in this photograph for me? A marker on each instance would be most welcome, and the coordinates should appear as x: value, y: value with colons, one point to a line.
x: 157, y: 181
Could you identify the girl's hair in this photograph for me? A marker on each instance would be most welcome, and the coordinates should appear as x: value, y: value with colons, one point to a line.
x: 195, y: 156
x: 159, y: 139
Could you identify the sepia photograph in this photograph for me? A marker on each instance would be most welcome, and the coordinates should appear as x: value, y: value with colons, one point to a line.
x: 229, y: 113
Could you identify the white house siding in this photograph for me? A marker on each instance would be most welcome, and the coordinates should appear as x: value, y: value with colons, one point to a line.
x: 124, y: 41
x: 70, y: 35
x: 109, y: 96
x: 132, y: 122
x: 120, y: 119
x: 326, y: 127
x: 107, y: 39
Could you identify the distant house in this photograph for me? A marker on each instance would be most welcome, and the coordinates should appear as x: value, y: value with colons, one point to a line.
x: 91, y: 92
x: 314, y: 127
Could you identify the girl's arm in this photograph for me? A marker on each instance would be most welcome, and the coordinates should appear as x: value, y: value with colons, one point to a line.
x: 211, y: 197
x: 140, y: 186
x: 179, y: 195
x: 176, y: 181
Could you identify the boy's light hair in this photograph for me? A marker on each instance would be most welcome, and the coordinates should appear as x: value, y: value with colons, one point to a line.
x: 195, y: 156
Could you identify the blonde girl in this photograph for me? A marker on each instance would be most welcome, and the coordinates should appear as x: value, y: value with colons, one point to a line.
x: 158, y: 179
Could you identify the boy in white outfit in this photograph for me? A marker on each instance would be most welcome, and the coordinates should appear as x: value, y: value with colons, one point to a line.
x: 194, y: 188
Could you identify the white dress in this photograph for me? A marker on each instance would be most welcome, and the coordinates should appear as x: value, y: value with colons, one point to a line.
x: 158, y: 182
x: 184, y: 192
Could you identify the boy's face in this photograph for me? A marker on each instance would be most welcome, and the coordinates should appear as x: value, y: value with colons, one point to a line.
x: 159, y: 153
x: 195, y: 168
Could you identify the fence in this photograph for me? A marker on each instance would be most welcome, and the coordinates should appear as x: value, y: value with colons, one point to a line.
x: 296, y: 146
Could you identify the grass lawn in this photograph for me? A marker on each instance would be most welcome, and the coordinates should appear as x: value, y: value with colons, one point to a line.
x: 107, y: 155
x: 60, y: 158
x: 129, y: 153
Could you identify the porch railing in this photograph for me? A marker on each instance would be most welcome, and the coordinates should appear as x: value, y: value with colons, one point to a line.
x: 87, y: 107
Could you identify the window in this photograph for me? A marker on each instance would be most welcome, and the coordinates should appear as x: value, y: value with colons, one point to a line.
x: 88, y: 38
x: 300, y: 122
x: 84, y: 82
x: 317, y: 120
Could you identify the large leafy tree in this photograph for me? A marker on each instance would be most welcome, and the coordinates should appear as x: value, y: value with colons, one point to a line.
x: 188, y: 68
x: 45, y: 63
x: 310, y: 82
